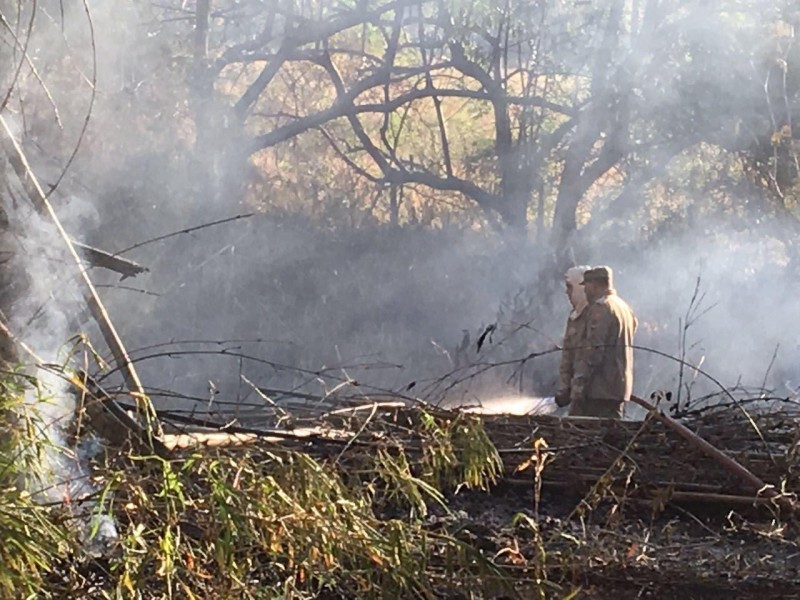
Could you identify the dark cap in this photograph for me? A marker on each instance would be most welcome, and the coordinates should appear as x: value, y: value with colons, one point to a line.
x: 601, y: 274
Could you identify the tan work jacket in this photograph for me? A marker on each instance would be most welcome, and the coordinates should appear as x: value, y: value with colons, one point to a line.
x: 574, y: 340
x: 603, y: 376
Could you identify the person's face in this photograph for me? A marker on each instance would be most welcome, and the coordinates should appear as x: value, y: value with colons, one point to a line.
x: 593, y: 289
x: 569, y: 294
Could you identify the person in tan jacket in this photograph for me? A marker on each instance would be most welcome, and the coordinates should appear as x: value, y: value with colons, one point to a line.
x: 574, y: 334
x: 603, y: 377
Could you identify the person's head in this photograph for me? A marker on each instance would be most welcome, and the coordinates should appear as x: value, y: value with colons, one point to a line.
x: 597, y: 281
x: 575, y: 293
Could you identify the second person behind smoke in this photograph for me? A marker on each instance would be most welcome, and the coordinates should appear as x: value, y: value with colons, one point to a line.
x: 575, y: 333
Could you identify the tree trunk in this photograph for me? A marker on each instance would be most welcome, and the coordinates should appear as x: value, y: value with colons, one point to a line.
x: 577, y: 176
x: 202, y: 82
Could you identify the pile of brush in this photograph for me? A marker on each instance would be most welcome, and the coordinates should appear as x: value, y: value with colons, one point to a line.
x: 383, y: 498
x: 650, y: 460
x: 510, y: 505
x: 646, y: 461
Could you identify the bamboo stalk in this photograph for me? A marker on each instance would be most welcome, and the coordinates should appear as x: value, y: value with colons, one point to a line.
x: 195, y: 439
x: 690, y: 494
x: 728, y: 463
x: 712, y: 498
x: 23, y: 169
x: 114, y: 422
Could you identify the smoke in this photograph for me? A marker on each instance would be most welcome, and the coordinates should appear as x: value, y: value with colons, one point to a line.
x: 390, y: 308
x: 741, y: 323
x: 290, y: 301
x: 42, y: 311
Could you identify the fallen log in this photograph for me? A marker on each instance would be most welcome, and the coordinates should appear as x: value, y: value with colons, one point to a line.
x: 199, y: 439
x: 305, y: 435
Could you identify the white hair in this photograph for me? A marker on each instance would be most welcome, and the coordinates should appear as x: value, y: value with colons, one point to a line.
x: 574, y: 277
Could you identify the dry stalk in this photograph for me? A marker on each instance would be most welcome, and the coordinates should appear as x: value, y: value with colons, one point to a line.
x: 758, y: 486
x: 39, y: 198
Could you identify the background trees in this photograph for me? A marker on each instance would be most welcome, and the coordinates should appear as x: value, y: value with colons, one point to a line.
x: 533, y: 133
x: 519, y: 116
x: 511, y: 113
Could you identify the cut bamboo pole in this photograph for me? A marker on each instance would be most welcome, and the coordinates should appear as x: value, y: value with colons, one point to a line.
x: 200, y: 439
x: 23, y: 169
x: 729, y: 464
x: 113, y: 421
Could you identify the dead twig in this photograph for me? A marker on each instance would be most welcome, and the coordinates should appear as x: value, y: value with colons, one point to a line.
x: 99, y: 258
x: 728, y: 463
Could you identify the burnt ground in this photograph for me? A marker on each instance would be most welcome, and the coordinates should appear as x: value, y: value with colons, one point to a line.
x: 620, y: 550
x: 629, y: 551
x: 600, y: 529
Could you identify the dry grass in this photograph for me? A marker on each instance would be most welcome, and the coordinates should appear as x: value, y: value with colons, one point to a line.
x: 33, y: 535
x: 370, y: 516
x: 259, y: 522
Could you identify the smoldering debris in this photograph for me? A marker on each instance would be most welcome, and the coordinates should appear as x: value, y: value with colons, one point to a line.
x: 572, y: 504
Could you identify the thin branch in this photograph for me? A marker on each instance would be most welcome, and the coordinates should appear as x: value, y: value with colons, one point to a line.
x: 183, y: 231
x: 23, y: 47
x: 89, y: 110
x: 326, y: 63
x: 250, y: 96
x: 43, y: 205
x: 344, y: 104
x: 347, y: 160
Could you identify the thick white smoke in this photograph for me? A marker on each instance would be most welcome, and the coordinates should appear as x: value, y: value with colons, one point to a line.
x: 45, y: 316
x: 395, y: 302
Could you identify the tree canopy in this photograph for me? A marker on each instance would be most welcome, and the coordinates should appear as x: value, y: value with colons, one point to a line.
x: 558, y: 115
x: 549, y: 117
